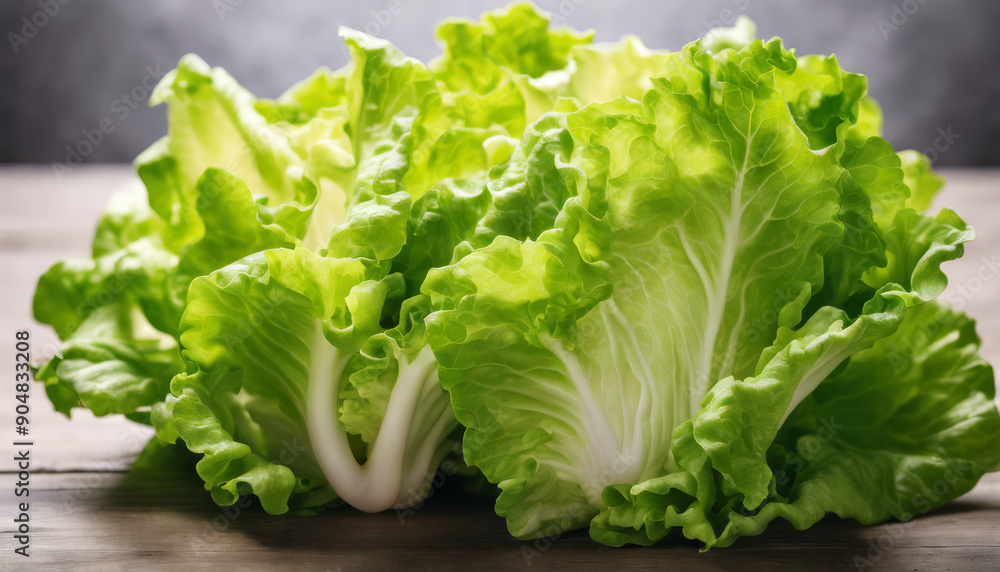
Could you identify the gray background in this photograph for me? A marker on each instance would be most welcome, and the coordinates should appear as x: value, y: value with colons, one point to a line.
x: 939, y: 69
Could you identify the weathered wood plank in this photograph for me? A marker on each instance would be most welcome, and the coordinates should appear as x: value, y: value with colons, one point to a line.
x: 87, y: 521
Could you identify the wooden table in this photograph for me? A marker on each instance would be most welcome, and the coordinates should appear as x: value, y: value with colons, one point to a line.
x: 88, y: 512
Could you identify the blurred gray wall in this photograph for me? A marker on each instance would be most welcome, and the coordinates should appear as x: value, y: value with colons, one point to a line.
x: 934, y: 64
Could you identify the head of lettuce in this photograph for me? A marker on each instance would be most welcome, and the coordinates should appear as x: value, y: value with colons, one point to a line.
x: 636, y: 290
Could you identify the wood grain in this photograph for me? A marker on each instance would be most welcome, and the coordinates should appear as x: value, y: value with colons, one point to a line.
x: 116, y: 521
x: 88, y: 513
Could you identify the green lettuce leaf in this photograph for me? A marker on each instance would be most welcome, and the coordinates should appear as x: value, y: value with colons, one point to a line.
x: 111, y: 359
x: 113, y: 362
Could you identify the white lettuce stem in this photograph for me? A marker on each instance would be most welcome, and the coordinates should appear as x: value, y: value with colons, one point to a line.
x: 644, y: 460
x: 811, y: 380
x: 601, y: 439
x: 716, y: 286
x: 434, y: 448
x: 376, y: 485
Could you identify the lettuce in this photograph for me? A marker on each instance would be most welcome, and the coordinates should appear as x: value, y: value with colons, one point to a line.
x: 740, y: 241
x: 636, y: 290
